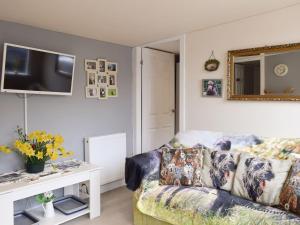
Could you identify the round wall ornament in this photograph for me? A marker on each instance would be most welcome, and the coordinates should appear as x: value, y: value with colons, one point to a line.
x: 281, y: 70
x: 212, y: 64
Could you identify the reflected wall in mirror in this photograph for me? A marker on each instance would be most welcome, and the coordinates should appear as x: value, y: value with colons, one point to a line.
x: 266, y: 73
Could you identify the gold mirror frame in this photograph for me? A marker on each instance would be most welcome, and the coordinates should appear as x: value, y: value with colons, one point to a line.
x: 253, y: 52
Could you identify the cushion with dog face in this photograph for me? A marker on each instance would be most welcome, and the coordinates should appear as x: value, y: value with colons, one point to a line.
x: 259, y: 179
x: 290, y: 193
x: 181, y: 166
x: 219, y: 168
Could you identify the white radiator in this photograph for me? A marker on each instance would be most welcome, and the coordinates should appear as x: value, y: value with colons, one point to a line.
x: 109, y: 152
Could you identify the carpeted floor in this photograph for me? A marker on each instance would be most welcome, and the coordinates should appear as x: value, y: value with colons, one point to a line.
x: 116, y: 210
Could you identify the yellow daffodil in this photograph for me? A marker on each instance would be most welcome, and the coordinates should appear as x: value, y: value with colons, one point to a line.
x: 30, y: 152
x: 49, y: 149
x: 58, y: 141
x: 66, y: 154
x: 5, y: 149
x: 40, y: 155
x: 39, y: 145
x: 54, y: 156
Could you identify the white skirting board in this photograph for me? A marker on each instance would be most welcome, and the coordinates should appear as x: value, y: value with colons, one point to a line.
x: 108, y: 152
x: 112, y: 186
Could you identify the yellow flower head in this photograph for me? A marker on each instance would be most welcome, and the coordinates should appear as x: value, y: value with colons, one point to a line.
x: 58, y: 141
x: 40, y: 155
x: 24, y: 148
x: 5, y: 149
x: 54, y: 156
x: 29, y: 152
x: 65, y: 153
x: 40, y: 136
x: 49, y: 149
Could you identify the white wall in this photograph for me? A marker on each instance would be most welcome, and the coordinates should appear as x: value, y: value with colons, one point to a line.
x: 281, y: 119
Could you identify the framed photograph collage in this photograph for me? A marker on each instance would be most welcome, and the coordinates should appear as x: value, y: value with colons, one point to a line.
x: 101, y: 79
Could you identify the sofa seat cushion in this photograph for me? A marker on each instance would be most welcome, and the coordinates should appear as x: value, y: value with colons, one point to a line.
x: 180, y: 205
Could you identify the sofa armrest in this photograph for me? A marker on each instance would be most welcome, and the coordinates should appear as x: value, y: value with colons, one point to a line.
x: 141, y: 167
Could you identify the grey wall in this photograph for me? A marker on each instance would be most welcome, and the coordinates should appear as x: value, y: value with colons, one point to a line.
x: 292, y: 79
x: 73, y: 117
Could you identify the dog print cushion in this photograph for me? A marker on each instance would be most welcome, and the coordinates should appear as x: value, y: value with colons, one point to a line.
x: 259, y: 179
x: 219, y: 168
x: 290, y: 194
x: 181, y: 166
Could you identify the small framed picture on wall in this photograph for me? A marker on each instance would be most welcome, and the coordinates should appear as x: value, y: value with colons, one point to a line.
x: 91, y: 65
x: 91, y: 78
x: 102, y: 92
x: 112, y: 80
x: 212, y: 87
x: 102, y: 66
x: 102, y: 80
x: 112, y: 68
x: 91, y: 92
x: 112, y: 92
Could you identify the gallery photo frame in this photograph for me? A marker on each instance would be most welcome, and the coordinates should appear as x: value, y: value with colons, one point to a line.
x: 112, y: 80
x: 91, y: 77
x: 212, y: 88
x: 112, y: 68
x: 91, y: 65
x: 91, y: 92
x: 102, y: 66
x: 102, y: 92
x: 101, y: 78
x: 112, y: 92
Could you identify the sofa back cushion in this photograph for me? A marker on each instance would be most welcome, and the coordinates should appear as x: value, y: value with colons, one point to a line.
x: 181, y: 166
x: 219, y: 168
x: 278, y: 148
x: 259, y: 179
x: 290, y: 194
x: 214, y: 140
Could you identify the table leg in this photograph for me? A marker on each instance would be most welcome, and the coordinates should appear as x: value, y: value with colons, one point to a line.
x: 7, y: 210
x: 95, y: 199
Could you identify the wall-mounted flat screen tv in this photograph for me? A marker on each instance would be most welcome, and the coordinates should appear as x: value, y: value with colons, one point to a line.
x: 36, y: 71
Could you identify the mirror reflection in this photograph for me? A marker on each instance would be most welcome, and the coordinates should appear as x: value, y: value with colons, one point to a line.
x: 265, y: 73
x: 268, y: 74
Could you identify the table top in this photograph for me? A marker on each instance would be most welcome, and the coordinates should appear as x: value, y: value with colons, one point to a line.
x: 33, y: 179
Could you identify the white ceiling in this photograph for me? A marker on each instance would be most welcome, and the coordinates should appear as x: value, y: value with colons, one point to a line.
x: 132, y: 22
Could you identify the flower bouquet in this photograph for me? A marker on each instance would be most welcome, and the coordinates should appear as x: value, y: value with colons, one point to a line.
x: 37, y: 148
x: 46, y: 200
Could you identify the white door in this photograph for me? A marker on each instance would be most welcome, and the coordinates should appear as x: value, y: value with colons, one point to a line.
x: 158, y: 98
x: 239, y: 79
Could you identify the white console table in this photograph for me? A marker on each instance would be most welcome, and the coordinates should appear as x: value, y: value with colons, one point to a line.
x: 69, y: 181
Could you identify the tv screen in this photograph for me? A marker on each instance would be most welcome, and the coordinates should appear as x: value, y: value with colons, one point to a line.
x: 36, y: 71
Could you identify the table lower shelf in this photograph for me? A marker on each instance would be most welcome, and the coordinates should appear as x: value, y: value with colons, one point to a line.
x: 59, y: 217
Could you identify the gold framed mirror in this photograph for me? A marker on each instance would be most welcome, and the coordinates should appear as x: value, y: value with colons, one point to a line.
x: 269, y: 73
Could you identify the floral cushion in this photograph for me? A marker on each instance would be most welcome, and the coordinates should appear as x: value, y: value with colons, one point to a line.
x: 260, y: 180
x: 219, y: 168
x: 278, y: 148
x: 290, y: 194
x: 181, y: 166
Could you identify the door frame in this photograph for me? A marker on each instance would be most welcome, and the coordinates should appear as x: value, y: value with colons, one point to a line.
x: 137, y: 90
